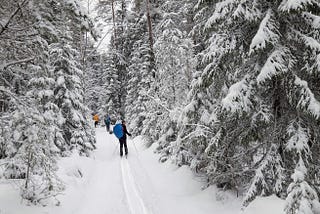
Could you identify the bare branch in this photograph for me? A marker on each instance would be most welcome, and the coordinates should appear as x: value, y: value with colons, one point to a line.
x: 158, y: 101
x: 25, y: 27
x: 19, y: 101
x: 5, y: 66
x: 4, y: 27
x: 100, y: 42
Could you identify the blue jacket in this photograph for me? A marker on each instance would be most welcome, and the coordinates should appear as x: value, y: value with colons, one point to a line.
x: 107, y: 120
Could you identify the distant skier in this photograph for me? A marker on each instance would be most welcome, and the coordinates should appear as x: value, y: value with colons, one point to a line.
x: 96, y: 120
x: 107, y: 121
x: 120, y: 130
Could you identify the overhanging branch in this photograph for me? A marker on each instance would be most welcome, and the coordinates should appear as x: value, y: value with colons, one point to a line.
x: 5, y: 26
x: 16, y: 62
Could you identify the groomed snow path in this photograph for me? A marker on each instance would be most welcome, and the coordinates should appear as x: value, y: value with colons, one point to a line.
x: 112, y: 184
x: 108, y: 184
x: 139, y: 184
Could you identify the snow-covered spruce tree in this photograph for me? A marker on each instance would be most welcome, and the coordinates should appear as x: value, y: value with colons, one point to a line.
x: 302, y: 198
x: 117, y: 58
x: 17, y: 52
x: 174, y: 56
x: 149, y: 120
x: 4, y: 136
x: 68, y: 26
x: 34, y: 160
x: 139, y: 75
x: 32, y: 151
x: 266, y: 54
x: 196, y: 116
x: 94, y: 90
x: 69, y: 98
x: 37, y: 139
x: 270, y: 162
x: 69, y: 91
x: 139, y: 81
x: 110, y: 103
x: 142, y: 68
x: 121, y: 55
x: 175, y: 64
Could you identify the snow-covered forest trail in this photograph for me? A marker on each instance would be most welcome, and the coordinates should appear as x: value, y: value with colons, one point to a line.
x: 112, y: 181
x: 108, y: 184
x: 140, y: 184
x: 102, y: 185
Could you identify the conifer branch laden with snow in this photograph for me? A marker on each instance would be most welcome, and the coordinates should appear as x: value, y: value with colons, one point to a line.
x: 306, y: 99
x: 267, y: 33
x: 38, y: 138
x: 229, y: 88
x: 292, y: 5
x: 268, y: 176
x: 239, y: 98
x: 301, y: 197
x: 264, y: 79
x: 277, y: 64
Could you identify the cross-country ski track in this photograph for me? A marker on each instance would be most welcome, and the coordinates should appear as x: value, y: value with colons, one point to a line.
x: 105, y: 183
x: 112, y: 179
x: 135, y: 201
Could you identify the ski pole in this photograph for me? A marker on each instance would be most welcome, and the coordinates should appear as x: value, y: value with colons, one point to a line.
x: 115, y: 148
x: 136, y: 148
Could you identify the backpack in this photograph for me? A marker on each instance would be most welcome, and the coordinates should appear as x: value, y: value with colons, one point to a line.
x: 118, y: 131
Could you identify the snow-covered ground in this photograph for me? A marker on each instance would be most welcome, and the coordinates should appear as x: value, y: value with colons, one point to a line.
x: 108, y: 184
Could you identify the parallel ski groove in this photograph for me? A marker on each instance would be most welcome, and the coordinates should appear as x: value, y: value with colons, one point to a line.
x: 135, y: 201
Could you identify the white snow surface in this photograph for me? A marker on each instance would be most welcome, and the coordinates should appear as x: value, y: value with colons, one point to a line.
x: 139, y: 184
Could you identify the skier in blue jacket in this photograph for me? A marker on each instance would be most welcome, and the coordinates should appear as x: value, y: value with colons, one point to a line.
x: 107, y: 121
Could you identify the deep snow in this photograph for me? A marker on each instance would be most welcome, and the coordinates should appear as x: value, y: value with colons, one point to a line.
x: 108, y: 184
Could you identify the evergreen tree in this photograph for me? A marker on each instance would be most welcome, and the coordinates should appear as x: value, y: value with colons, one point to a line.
x: 69, y: 98
x: 254, y: 52
x: 139, y: 75
x: 93, y: 82
x: 110, y: 103
x: 36, y: 134
x: 117, y: 57
x: 302, y: 198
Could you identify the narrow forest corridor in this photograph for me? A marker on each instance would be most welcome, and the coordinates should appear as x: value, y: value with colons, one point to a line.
x: 107, y: 184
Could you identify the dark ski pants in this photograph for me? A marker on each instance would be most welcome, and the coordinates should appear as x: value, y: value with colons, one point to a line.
x: 123, y: 142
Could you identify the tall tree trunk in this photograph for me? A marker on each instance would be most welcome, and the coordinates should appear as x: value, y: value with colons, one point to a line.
x: 28, y: 169
x: 114, y: 21
x: 150, y: 40
x: 149, y: 26
x: 84, y: 51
